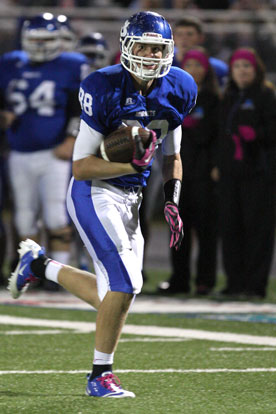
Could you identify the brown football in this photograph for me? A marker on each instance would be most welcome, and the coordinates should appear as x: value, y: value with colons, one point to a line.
x: 119, y: 145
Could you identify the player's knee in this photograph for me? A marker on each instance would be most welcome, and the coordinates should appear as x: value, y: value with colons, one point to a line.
x: 63, y: 235
x: 25, y: 223
x: 55, y: 217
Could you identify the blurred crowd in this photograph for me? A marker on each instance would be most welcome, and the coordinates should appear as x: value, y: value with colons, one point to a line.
x: 228, y: 150
x: 150, y: 4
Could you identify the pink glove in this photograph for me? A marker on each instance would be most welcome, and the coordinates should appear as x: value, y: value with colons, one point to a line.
x: 176, y: 225
x: 143, y: 155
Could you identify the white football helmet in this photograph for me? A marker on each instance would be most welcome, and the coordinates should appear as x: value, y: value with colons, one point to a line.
x: 149, y: 28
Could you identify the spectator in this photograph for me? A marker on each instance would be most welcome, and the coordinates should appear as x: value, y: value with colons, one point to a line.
x: 188, y: 33
x: 246, y: 173
x: 198, y: 201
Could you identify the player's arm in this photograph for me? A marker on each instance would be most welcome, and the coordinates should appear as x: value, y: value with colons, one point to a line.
x: 86, y: 164
x: 93, y: 167
x: 6, y: 117
x: 172, y: 176
x: 172, y: 165
x: 96, y: 105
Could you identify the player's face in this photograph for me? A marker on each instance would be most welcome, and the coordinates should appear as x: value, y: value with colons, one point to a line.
x: 41, y: 42
x: 148, y: 51
x: 243, y: 73
x: 186, y: 37
x: 195, y: 69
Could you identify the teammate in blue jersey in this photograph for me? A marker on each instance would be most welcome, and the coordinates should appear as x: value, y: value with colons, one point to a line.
x: 40, y: 85
x: 94, y: 46
x: 104, y: 197
x: 67, y: 34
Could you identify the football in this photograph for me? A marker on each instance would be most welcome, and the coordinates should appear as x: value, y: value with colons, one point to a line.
x: 119, y: 145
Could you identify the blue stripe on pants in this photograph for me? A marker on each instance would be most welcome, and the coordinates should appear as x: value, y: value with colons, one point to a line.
x: 104, y: 247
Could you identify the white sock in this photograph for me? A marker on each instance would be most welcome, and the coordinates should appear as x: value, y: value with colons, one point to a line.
x: 100, y: 358
x: 52, y: 270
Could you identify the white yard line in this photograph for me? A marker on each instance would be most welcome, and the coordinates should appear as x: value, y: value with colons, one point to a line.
x: 145, y: 330
x: 145, y: 371
x: 36, y: 332
x: 226, y: 349
x: 142, y: 304
x: 61, y: 331
x: 124, y: 340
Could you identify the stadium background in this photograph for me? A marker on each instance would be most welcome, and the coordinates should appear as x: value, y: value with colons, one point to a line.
x: 190, y: 374
x: 224, y: 31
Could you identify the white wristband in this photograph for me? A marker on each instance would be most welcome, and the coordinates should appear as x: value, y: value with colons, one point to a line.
x: 134, y: 131
x: 102, y: 151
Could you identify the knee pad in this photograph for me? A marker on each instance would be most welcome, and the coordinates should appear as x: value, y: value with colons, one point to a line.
x: 65, y: 235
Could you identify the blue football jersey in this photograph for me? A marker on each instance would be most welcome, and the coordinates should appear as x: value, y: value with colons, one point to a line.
x: 108, y: 98
x: 38, y: 94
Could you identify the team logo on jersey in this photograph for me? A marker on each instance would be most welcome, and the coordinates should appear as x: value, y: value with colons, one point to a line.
x: 31, y: 75
x: 129, y: 101
x: 142, y: 114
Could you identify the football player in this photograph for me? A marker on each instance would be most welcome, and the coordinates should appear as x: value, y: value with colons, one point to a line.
x: 104, y: 197
x: 67, y: 35
x: 40, y: 85
x: 94, y: 47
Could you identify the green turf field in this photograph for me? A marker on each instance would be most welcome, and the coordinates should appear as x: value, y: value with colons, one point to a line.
x: 43, y: 365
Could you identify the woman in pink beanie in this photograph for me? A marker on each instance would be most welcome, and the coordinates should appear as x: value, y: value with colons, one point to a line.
x: 198, y: 202
x: 246, y: 175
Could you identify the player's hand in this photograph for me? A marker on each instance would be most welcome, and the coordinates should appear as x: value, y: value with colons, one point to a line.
x: 176, y: 225
x: 215, y: 174
x: 6, y: 119
x: 64, y: 150
x: 143, y: 155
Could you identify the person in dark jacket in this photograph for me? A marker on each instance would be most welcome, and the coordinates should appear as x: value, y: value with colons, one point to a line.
x: 246, y: 174
x: 198, y: 203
